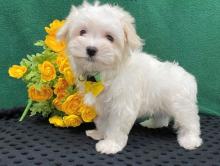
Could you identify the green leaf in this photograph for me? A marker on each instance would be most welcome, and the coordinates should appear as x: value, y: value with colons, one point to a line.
x: 29, y: 84
x: 25, y: 62
x: 38, y: 86
x: 45, y: 55
x: 71, y: 89
x: 30, y: 75
x: 40, y: 43
x: 29, y: 57
x: 58, y: 113
x: 42, y: 108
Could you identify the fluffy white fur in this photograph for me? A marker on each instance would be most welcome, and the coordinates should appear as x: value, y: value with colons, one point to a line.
x: 136, y: 84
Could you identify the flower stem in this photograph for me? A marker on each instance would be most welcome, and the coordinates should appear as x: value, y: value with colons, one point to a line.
x: 26, y: 110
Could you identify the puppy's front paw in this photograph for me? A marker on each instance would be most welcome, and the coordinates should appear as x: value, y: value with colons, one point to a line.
x: 94, y: 134
x: 108, y: 147
x: 189, y: 142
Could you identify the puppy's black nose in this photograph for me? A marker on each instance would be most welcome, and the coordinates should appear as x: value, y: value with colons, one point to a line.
x: 91, y: 51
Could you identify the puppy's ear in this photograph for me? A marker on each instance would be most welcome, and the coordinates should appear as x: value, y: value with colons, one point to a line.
x: 85, y: 3
x: 131, y: 38
x: 63, y: 31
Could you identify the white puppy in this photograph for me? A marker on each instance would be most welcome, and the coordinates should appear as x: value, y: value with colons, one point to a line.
x: 103, y: 39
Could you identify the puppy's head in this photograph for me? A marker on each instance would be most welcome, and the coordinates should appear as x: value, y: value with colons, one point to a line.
x: 99, y: 37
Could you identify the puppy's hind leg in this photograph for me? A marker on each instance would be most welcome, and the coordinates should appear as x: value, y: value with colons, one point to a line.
x: 187, y: 123
x: 158, y: 120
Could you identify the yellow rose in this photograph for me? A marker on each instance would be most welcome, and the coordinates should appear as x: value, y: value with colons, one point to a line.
x: 57, y: 103
x: 50, y: 40
x: 64, y: 64
x: 60, y: 87
x: 17, y: 71
x: 72, y: 120
x: 53, y: 44
x: 57, y: 121
x: 72, y: 104
x: 60, y: 58
x: 43, y: 94
x: 47, y: 71
x: 88, y: 113
x: 54, y: 27
x: 69, y: 76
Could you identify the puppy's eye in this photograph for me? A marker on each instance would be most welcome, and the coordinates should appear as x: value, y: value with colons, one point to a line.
x: 82, y: 32
x: 110, y: 38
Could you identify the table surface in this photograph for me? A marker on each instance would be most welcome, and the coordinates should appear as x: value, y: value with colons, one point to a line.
x: 35, y: 142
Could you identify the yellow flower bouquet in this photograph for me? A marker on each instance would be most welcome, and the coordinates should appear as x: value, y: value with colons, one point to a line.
x: 51, y: 83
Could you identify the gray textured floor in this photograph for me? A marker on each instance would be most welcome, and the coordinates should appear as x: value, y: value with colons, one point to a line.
x: 35, y: 142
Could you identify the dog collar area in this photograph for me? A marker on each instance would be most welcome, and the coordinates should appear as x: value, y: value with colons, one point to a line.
x: 92, y: 83
x: 95, y: 77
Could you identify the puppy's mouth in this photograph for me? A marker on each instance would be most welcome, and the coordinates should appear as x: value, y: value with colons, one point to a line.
x: 90, y: 59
